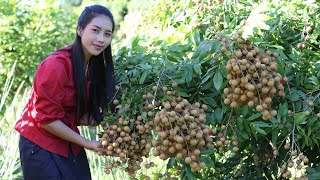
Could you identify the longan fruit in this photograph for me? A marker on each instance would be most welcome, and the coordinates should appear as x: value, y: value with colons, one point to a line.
x: 174, y: 84
x: 307, y: 113
x: 308, y: 29
x: 259, y: 108
x: 235, y: 149
x: 287, y: 146
x: 115, y: 102
x: 187, y: 160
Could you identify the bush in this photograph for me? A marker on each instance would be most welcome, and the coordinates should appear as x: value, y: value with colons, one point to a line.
x: 258, y: 145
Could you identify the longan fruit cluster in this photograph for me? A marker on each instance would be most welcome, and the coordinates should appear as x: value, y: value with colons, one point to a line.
x: 294, y: 161
x: 253, y: 78
x: 223, y: 143
x: 309, y: 102
x: 181, y: 129
x: 129, y: 140
x: 298, y: 164
x: 305, y: 37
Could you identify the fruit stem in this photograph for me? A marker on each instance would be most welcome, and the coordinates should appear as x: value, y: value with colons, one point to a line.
x: 155, y: 92
x: 292, y: 137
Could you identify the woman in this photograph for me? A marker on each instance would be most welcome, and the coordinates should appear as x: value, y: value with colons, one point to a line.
x: 71, y: 87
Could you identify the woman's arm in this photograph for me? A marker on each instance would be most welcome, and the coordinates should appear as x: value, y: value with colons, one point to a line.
x: 62, y: 131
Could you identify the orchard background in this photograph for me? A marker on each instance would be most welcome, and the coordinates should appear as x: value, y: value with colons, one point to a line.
x: 190, y: 49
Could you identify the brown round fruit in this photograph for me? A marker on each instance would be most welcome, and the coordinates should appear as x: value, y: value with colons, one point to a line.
x: 115, y: 102
x: 235, y: 149
x: 174, y: 84
x: 309, y: 29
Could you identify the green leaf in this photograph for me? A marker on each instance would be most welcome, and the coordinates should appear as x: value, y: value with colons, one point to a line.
x: 207, y: 151
x: 311, y: 121
x: 218, y: 114
x: 188, y: 74
x: 172, y: 58
x: 196, y: 36
x: 143, y: 77
x: 296, y: 95
x: 283, y: 110
x: 172, y: 162
x: 242, y: 134
x: 135, y: 42
x: 181, y: 91
x: 315, y: 141
x: 244, y: 2
x: 209, y: 163
x: 275, y: 135
x: 276, y: 47
x: 178, y: 47
x: 207, y: 75
x: 246, y: 126
x: 281, y: 66
x: 217, y: 80
x: 207, y: 86
x: 145, y: 66
x: 259, y: 130
x: 239, y: 123
x: 314, y: 80
x: 309, y: 131
x: 210, y: 118
x: 210, y: 101
x: 195, y: 54
x: 293, y: 97
x: 205, y: 50
x: 215, y: 46
x: 298, y: 118
x: 245, y: 110
x: 187, y: 174
x: 259, y: 124
x: 140, y: 49
x: 253, y: 117
x: 314, y: 176
x: 197, y: 69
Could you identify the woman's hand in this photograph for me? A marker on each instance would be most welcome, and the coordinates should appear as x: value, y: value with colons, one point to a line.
x: 95, y: 146
x: 98, y: 148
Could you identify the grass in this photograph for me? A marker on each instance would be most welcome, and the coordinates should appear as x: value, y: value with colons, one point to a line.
x: 9, y: 138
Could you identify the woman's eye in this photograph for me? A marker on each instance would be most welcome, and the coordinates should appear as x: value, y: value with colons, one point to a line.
x: 107, y: 34
x: 95, y: 30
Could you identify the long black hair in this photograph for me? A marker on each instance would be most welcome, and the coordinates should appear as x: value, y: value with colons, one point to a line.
x: 102, y: 86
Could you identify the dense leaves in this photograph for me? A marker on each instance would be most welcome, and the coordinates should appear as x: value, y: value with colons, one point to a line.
x: 194, y: 57
x: 183, y: 42
x: 30, y: 31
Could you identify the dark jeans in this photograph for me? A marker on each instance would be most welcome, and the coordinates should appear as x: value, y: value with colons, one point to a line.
x: 40, y: 164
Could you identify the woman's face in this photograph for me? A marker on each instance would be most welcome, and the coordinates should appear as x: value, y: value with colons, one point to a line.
x: 96, y: 36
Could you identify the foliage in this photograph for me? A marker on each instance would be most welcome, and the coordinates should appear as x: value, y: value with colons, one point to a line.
x: 29, y: 33
x: 179, y: 41
x: 184, y: 48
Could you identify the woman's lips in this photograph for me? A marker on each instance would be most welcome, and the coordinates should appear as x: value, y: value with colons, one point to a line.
x: 97, y: 47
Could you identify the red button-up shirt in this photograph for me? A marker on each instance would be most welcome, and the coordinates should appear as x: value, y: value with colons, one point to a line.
x: 53, y: 97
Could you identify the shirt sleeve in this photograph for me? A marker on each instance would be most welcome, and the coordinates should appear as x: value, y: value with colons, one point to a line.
x: 49, y: 81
